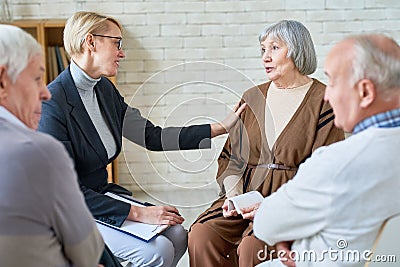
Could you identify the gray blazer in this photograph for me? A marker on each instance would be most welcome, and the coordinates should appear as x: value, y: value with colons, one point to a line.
x: 42, y: 208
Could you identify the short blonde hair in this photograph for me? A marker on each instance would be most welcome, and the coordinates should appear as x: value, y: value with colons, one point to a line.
x: 82, y: 23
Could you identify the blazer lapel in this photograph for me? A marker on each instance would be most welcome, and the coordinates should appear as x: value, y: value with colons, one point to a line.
x: 81, y: 117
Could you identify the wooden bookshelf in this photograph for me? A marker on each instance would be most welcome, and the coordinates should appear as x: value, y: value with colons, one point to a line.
x: 49, y: 32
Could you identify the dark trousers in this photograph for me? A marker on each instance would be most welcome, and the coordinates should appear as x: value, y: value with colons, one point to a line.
x: 108, y: 259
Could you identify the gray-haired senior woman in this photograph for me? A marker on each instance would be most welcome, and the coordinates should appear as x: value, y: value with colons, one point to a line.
x: 286, y: 120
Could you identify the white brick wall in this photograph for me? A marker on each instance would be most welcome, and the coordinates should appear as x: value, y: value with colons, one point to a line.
x: 161, y: 34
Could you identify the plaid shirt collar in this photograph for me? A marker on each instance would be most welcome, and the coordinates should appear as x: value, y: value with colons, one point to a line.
x: 386, y: 119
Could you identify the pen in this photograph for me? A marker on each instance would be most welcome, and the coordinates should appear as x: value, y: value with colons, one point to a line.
x: 147, y: 204
x: 177, y: 213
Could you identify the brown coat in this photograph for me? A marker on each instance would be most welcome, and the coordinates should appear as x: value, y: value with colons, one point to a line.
x: 310, y: 127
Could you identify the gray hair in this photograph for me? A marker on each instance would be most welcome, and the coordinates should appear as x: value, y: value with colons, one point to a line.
x: 17, y: 47
x: 298, y: 40
x: 376, y: 64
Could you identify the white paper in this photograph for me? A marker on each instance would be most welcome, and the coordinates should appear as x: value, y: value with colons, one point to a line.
x: 139, y: 230
x: 244, y: 201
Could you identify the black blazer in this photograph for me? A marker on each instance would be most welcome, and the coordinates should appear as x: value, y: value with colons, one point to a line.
x: 65, y: 117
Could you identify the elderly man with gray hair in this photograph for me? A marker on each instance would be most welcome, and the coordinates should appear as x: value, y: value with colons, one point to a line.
x: 43, y: 217
x: 331, y: 212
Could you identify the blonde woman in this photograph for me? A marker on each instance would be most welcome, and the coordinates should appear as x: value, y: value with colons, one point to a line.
x: 88, y: 114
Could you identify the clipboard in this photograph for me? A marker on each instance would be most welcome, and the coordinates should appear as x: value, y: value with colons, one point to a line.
x: 142, y: 231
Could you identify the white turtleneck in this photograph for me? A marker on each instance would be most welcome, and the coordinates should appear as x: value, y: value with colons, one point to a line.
x: 281, y: 104
x: 85, y: 86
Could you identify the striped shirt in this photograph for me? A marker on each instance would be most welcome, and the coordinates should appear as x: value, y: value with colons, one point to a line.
x: 386, y: 119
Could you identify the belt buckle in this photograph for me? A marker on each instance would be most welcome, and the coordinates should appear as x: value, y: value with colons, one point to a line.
x: 278, y: 166
x: 272, y: 166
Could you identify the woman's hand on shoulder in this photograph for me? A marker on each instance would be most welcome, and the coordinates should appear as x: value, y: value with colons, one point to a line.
x: 156, y: 215
x: 224, y: 126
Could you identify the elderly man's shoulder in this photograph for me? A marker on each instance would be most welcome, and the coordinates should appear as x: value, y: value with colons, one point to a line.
x: 47, y: 143
x: 26, y: 144
x: 367, y: 143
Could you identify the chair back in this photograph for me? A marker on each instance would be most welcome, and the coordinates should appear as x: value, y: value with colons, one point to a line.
x: 386, y: 248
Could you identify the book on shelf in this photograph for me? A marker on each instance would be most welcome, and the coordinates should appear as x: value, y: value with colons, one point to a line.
x: 244, y: 201
x: 143, y: 231
x: 60, y: 65
x: 51, y: 63
x: 64, y: 57
x: 57, y: 61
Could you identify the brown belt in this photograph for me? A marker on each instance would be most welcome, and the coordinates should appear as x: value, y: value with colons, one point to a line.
x: 273, y: 166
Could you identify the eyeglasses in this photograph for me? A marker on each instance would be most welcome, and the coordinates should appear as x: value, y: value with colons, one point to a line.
x: 113, y: 37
